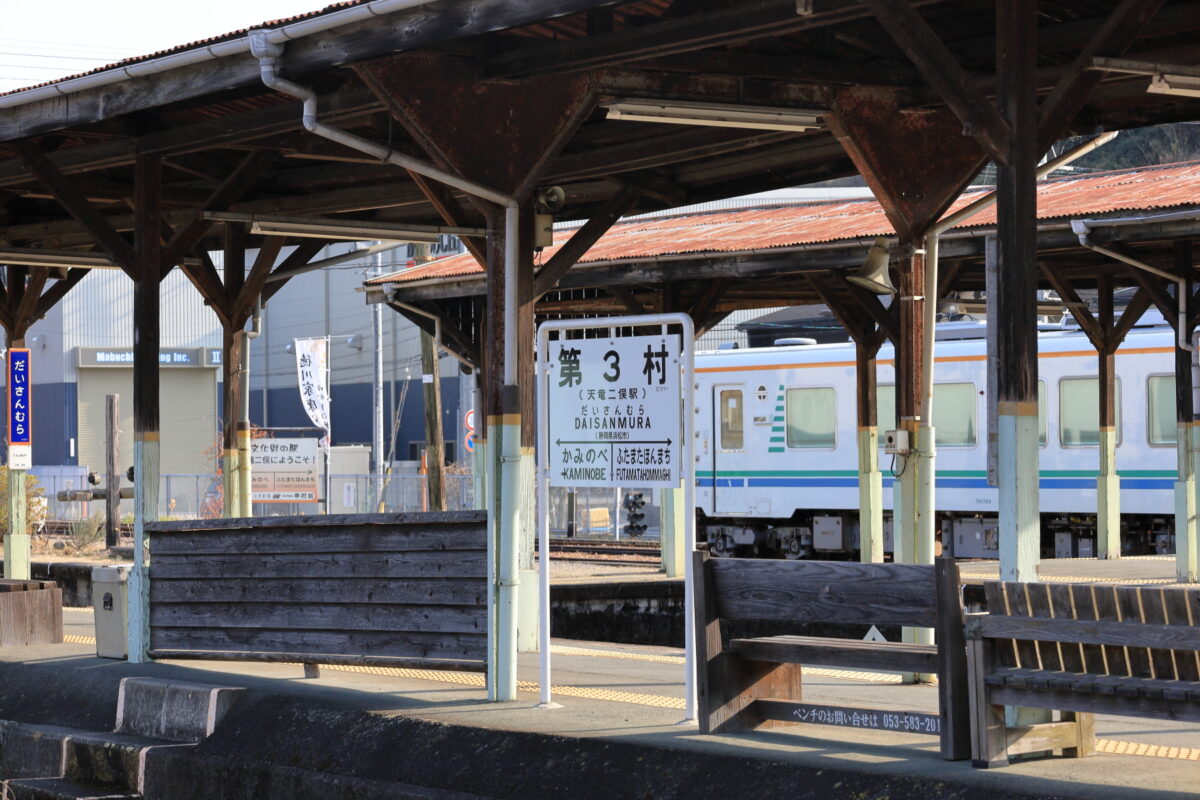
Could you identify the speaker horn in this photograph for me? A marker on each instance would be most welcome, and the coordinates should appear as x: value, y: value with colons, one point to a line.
x: 874, y: 273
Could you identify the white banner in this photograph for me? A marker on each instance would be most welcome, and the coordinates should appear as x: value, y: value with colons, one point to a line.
x: 312, y: 367
x: 614, y: 408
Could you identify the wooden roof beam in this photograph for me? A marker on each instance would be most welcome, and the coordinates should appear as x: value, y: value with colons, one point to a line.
x: 1092, y: 328
x: 582, y: 240
x: 72, y: 199
x: 58, y: 290
x: 225, y: 195
x: 727, y: 26
x: 1120, y: 30
x: 943, y: 72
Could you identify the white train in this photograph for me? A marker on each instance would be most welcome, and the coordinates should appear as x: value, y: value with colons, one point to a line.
x: 778, y: 460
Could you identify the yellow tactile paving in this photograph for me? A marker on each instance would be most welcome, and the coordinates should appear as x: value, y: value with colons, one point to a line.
x: 989, y: 575
x: 475, y: 679
x: 1120, y: 748
x: 566, y: 650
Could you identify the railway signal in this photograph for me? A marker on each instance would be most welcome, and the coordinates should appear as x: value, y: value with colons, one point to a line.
x: 635, y: 510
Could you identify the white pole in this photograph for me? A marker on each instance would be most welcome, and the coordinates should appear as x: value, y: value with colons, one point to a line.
x: 329, y: 430
x: 377, y: 388
x: 543, y: 511
x: 688, y: 468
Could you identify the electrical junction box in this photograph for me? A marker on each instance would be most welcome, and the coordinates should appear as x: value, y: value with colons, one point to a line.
x: 829, y: 534
x: 896, y: 443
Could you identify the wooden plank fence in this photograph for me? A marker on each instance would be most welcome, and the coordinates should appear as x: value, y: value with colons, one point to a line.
x: 30, y: 613
x: 399, y: 589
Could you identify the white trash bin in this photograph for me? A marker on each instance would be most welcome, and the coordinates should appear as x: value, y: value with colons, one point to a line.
x: 110, y: 604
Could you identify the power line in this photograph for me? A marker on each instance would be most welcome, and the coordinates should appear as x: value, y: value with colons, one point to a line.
x: 55, y: 56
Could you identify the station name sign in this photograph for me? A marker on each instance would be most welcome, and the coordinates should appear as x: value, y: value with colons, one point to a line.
x: 615, y: 411
x: 20, y: 426
x: 122, y: 357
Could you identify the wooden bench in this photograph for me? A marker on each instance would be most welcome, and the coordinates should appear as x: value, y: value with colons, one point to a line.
x: 1079, y: 649
x: 756, y: 682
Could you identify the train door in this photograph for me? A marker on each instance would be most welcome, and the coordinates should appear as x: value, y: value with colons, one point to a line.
x: 729, y: 450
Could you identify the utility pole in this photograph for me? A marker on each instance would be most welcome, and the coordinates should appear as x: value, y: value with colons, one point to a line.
x: 112, y: 471
x: 435, y: 459
x: 377, y: 453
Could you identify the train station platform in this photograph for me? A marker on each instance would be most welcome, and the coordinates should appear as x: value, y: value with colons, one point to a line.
x: 617, y: 734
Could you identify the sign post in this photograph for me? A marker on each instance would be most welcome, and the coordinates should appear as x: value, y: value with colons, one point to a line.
x: 615, y: 410
x: 312, y: 370
x: 20, y: 459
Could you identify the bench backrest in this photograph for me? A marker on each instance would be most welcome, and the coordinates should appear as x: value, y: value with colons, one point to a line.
x: 824, y: 591
x: 1098, y: 629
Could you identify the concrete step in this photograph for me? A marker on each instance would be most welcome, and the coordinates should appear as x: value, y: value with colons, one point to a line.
x: 173, y: 710
x: 60, y: 789
x: 32, y: 751
x: 108, y: 759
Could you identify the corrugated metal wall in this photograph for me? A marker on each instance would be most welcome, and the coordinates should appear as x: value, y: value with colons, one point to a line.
x: 99, y: 313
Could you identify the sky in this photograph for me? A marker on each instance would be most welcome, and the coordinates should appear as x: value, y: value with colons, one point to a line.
x: 43, y: 40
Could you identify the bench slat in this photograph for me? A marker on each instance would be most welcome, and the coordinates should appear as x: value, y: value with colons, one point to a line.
x: 847, y: 653
x: 1119, y: 636
x: 825, y: 591
x: 1175, y: 604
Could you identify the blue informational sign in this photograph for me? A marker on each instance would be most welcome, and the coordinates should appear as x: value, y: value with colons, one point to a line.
x: 20, y: 430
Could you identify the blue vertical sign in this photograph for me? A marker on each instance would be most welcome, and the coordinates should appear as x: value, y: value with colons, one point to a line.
x: 20, y: 429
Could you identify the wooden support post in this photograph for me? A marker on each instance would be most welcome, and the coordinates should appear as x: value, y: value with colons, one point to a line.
x: 912, y: 519
x: 231, y: 345
x: 1108, y: 488
x: 909, y: 368
x: 870, y: 479
x: 147, y: 245
x: 1012, y: 309
x: 112, y: 471
x: 1187, y: 550
x: 867, y: 340
x: 435, y: 457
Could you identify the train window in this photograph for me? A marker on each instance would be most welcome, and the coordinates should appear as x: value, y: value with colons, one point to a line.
x: 1079, y: 411
x: 886, y: 400
x: 885, y: 408
x: 1160, y: 427
x: 1043, y: 416
x: 811, y: 417
x: 731, y: 420
x: 954, y: 414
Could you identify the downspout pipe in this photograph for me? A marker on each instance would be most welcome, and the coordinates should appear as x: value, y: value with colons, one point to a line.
x: 1083, y: 229
x: 504, y: 686
x: 243, y: 432
x: 268, y: 51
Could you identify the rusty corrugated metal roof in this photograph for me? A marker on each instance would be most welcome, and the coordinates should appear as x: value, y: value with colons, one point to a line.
x: 554, y: 28
x: 274, y: 23
x: 763, y: 228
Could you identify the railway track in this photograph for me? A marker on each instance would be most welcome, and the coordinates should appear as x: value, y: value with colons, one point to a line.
x: 605, y: 552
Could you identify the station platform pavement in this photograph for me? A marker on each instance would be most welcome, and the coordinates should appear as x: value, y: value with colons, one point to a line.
x: 634, y: 694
